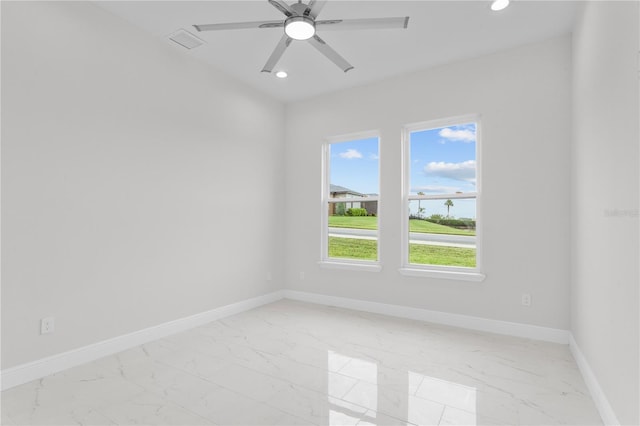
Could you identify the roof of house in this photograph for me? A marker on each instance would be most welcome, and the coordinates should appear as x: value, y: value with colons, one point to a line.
x: 341, y: 189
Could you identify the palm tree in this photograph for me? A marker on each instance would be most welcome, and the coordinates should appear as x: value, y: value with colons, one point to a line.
x: 420, y: 209
x: 449, y: 204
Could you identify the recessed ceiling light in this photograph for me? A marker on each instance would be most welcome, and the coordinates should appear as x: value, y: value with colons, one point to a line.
x: 281, y: 74
x: 499, y: 5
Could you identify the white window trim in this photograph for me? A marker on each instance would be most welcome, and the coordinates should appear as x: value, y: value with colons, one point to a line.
x: 351, y: 264
x: 338, y: 263
x: 438, y: 271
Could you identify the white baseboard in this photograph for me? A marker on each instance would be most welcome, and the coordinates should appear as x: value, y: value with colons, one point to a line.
x: 464, y: 321
x: 37, y: 369
x: 43, y: 367
x: 602, y: 403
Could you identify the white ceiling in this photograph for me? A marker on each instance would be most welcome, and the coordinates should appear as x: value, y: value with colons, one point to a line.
x: 439, y: 32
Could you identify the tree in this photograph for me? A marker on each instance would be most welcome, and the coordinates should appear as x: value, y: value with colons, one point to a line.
x: 449, y: 204
x: 420, y: 209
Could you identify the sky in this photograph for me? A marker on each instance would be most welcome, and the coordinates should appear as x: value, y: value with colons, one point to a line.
x: 354, y: 165
x: 442, y: 161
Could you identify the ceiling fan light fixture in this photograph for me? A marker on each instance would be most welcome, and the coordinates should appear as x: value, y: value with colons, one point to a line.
x: 499, y: 5
x: 300, y: 27
x: 300, y: 24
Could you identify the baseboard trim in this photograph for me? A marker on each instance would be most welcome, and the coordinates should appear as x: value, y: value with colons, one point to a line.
x: 599, y: 398
x: 37, y: 369
x: 457, y: 320
x: 46, y: 366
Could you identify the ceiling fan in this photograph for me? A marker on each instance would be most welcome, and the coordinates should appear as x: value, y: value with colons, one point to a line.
x: 301, y: 23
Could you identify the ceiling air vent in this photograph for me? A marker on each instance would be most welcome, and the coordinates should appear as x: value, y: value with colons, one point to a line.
x: 185, y: 39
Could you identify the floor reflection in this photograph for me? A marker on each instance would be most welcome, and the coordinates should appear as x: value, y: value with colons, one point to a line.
x: 361, y: 396
x: 366, y: 393
x: 457, y: 402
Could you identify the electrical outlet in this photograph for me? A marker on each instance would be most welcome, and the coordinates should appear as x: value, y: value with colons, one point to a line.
x: 526, y: 299
x: 47, y: 325
x: 302, y: 275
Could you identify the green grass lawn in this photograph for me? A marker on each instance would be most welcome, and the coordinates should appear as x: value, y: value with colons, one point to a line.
x: 356, y: 222
x: 415, y: 225
x: 421, y: 254
x: 353, y: 248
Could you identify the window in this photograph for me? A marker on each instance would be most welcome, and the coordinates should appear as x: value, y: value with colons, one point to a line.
x: 441, y: 197
x: 350, y: 202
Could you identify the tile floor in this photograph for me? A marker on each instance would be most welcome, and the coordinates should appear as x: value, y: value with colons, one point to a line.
x: 292, y: 363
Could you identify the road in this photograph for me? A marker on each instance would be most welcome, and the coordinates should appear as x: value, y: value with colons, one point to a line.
x: 464, y: 241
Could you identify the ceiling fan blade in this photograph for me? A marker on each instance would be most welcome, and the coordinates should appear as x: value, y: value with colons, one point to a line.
x: 314, y: 8
x: 327, y: 51
x: 363, y: 24
x: 239, y: 25
x: 283, y: 7
x: 282, y: 45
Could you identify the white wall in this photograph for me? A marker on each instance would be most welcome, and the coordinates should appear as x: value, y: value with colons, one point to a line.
x: 605, y: 189
x: 524, y: 97
x: 134, y: 189
x: 131, y: 184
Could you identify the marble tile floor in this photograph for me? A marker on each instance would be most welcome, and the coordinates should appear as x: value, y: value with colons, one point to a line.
x: 292, y: 363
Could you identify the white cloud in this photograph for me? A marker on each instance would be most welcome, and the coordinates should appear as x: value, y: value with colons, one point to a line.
x: 373, y: 156
x: 465, y: 171
x: 437, y: 189
x: 350, y: 154
x: 464, y: 135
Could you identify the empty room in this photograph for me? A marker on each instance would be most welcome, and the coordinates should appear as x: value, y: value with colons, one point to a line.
x: 320, y: 212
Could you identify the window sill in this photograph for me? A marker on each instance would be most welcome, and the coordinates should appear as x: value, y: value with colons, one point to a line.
x: 448, y: 275
x: 353, y: 266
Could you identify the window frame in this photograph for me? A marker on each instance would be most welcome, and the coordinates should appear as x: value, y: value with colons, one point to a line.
x: 440, y: 271
x: 325, y: 199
